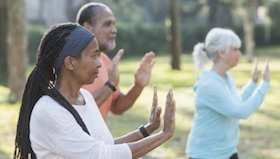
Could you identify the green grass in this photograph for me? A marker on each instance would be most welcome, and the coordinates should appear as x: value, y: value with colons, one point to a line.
x: 259, y: 134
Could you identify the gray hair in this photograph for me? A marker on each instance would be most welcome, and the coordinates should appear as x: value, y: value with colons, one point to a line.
x: 217, y: 40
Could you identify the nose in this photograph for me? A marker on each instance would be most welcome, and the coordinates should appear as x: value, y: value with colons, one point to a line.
x: 114, y: 29
x: 98, y: 63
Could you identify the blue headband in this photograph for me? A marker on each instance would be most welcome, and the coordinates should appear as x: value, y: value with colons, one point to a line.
x: 76, y: 43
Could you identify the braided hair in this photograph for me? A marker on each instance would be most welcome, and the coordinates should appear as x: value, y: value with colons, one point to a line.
x: 41, y: 82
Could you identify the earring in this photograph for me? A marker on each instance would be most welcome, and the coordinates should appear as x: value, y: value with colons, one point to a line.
x: 53, y: 83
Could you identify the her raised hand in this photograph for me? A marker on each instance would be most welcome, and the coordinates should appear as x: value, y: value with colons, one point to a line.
x: 154, y: 122
x: 255, y: 72
x: 266, y: 71
x: 169, y: 114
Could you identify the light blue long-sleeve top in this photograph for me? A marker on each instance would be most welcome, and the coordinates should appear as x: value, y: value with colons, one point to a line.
x: 215, y: 130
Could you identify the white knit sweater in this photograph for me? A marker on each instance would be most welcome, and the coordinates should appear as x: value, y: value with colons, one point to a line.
x: 54, y: 133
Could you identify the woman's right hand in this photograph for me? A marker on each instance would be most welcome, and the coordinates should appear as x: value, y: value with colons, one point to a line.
x: 266, y: 71
x: 169, y: 115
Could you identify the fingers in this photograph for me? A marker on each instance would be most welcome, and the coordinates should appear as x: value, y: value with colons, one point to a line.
x: 266, y: 71
x: 113, y: 68
x: 267, y: 64
x: 170, y: 104
x: 143, y: 73
x: 169, y: 114
x: 154, y: 122
x: 118, y: 56
x: 256, y: 64
x: 255, y: 72
x: 148, y: 59
x: 155, y: 98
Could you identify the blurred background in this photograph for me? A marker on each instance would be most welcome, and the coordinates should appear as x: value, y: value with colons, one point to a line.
x: 164, y: 26
x: 170, y: 28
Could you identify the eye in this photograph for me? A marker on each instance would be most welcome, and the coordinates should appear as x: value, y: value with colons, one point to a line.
x: 107, y: 24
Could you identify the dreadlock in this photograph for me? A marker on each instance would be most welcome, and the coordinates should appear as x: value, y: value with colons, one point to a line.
x: 41, y: 82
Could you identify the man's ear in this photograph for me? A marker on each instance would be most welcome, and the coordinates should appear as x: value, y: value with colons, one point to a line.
x: 87, y: 25
x: 69, y: 63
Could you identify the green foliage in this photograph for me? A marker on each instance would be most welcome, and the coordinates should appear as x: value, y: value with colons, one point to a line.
x: 137, y: 39
x: 35, y: 33
x: 193, y: 33
x: 274, y: 12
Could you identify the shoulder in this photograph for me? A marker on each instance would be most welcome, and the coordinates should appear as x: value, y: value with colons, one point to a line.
x: 209, y: 79
x: 209, y: 84
x: 46, y: 107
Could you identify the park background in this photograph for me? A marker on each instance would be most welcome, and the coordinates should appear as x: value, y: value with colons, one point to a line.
x: 168, y: 27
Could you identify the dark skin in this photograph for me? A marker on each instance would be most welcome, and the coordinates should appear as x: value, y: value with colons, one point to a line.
x: 103, y: 26
x: 76, y: 72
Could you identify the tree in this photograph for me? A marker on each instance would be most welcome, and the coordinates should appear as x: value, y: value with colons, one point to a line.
x: 219, y: 14
x: 175, y: 35
x: 248, y: 10
x: 16, y: 47
x: 3, y: 46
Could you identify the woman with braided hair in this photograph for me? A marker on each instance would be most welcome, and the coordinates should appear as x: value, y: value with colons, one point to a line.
x: 59, y: 119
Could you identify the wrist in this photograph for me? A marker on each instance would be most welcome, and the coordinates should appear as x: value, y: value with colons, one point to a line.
x: 143, y: 131
x: 138, y: 86
x: 111, y: 86
x: 149, y: 128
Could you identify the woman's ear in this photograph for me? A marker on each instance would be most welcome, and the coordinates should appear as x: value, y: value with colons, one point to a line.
x: 69, y: 63
x: 221, y: 54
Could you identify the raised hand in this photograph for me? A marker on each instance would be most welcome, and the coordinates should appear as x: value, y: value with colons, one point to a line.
x: 143, y: 73
x: 255, y: 72
x: 154, y: 122
x: 169, y: 114
x: 113, y: 68
x: 266, y: 71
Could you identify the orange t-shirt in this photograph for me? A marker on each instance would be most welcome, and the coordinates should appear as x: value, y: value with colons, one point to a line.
x: 99, y: 82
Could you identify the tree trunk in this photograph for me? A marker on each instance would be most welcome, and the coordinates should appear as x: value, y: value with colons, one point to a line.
x: 3, y: 46
x: 248, y: 10
x: 16, y: 46
x: 219, y: 14
x: 176, y: 39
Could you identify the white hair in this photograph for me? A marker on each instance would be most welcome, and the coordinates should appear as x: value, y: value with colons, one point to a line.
x: 217, y: 40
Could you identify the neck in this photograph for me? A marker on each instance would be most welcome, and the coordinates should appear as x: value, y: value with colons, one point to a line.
x: 219, y: 69
x: 70, y: 91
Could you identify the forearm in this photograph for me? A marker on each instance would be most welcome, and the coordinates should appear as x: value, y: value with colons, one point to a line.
x: 101, y: 95
x: 248, y: 89
x: 142, y: 147
x: 134, y: 135
x: 131, y: 137
x: 126, y: 101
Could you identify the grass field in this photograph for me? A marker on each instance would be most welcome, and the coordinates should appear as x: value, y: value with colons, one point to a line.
x: 259, y: 134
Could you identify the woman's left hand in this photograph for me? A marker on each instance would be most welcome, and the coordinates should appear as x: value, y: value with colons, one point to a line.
x: 154, y: 122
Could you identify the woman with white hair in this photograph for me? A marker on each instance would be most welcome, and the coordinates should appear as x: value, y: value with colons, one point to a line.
x: 218, y: 105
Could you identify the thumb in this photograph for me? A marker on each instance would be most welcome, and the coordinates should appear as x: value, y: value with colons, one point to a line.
x: 118, y: 56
